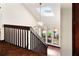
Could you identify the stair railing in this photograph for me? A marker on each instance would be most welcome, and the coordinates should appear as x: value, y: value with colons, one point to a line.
x: 25, y: 37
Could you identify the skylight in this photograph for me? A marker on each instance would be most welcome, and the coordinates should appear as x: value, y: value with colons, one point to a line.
x: 46, y: 11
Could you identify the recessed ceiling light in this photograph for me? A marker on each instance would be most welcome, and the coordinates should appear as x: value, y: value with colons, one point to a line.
x: 46, y: 11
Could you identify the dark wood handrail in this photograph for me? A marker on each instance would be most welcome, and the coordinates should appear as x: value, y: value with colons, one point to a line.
x: 17, y: 26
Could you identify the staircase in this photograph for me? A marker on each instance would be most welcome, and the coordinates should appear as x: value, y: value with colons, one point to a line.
x: 24, y: 37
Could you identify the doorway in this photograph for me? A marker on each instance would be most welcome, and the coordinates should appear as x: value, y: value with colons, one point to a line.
x: 75, y: 28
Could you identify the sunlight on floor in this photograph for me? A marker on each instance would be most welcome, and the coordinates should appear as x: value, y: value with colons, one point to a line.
x: 51, y: 51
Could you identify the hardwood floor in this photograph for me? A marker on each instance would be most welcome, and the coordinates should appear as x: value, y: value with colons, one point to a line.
x: 7, y: 49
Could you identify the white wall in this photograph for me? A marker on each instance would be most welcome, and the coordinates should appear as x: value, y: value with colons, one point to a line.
x: 0, y: 18
x: 17, y: 14
x: 66, y: 29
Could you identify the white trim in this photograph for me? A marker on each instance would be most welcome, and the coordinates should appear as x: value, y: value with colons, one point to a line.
x: 29, y: 40
x: 53, y: 44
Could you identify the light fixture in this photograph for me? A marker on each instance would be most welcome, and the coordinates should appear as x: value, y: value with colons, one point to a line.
x: 40, y: 23
x: 46, y: 11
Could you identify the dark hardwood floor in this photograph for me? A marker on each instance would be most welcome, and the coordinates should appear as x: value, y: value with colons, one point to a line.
x: 7, y: 49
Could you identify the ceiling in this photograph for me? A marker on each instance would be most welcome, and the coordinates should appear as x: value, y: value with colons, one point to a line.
x: 49, y: 21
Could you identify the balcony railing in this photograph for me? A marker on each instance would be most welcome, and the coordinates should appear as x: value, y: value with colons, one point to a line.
x: 25, y: 37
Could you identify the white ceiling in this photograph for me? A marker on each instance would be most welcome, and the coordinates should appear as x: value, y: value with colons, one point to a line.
x: 49, y: 21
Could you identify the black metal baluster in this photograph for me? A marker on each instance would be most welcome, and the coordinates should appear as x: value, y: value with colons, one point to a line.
x: 17, y: 36
x: 30, y: 40
x: 5, y: 34
x: 6, y: 39
x: 25, y: 37
x: 9, y: 34
x: 33, y: 41
x: 20, y: 39
x: 14, y: 36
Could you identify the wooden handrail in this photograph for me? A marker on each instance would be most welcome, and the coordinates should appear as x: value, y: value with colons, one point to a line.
x: 17, y: 26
